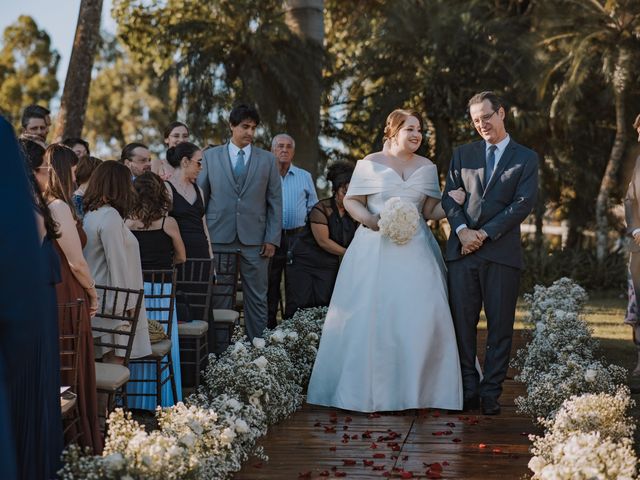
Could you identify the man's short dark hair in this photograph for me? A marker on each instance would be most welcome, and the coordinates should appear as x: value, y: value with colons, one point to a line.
x: 34, y: 111
x: 243, y: 112
x: 128, y: 149
x: 72, y: 142
x: 495, y: 100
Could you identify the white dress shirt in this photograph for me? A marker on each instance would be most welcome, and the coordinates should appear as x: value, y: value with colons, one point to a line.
x: 233, y: 154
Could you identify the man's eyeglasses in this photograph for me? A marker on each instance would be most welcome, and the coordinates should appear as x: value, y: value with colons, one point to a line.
x: 483, y: 119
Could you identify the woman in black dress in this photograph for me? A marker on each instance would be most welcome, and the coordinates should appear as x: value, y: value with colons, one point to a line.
x: 317, y: 254
x: 187, y: 199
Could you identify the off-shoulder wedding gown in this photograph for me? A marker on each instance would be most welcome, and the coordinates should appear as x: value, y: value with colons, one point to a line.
x: 388, y: 342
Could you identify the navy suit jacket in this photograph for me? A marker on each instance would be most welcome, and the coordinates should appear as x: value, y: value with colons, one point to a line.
x: 498, y: 207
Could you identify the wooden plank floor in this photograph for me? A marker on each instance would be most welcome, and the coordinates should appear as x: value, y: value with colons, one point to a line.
x: 319, y: 442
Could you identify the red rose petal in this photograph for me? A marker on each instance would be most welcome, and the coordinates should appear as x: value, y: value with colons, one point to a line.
x: 367, y: 463
x: 373, y: 415
x: 378, y: 455
x: 340, y: 474
x: 329, y: 429
x: 347, y: 419
x: 348, y: 462
x: 405, y: 458
x: 451, y: 424
x: 379, y: 467
x: 366, y: 434
x: 432, y: 474
x: 304, y: 474
x: 456, y: 440
x: 373, y: 446
x: 354, y: 437
x: 435, y: 467
x: 333, y: 449
x: 405, y: 474
x: 324, y: 473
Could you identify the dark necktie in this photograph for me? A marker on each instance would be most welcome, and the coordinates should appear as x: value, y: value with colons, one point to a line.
x: 239, y: 168
x: 491, y: 163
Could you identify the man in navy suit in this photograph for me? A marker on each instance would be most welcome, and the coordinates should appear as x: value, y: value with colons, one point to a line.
x: 484, y: 253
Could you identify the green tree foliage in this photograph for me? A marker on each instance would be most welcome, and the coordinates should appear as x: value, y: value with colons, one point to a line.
x: 589, y: 42
x: 223, y: 53
x: 127, y: 102
x: 28, y: 67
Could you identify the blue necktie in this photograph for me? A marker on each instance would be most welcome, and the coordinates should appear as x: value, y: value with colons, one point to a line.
x: 491, y: 163
x: 238, y: 170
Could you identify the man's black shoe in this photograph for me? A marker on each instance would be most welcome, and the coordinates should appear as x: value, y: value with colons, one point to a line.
x: 471, y: 403
x: 490, y: 406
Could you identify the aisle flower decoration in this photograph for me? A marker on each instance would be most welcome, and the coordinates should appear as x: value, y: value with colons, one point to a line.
x: 581, y: 401
x: 249, y: 387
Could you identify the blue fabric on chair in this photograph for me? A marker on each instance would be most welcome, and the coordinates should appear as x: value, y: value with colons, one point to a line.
x: 147, y: 371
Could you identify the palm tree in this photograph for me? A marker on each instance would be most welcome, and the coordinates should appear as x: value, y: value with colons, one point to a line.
x: 581, y: 35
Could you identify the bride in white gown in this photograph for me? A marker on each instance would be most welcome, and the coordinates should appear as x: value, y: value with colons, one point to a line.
x: 388, y: 342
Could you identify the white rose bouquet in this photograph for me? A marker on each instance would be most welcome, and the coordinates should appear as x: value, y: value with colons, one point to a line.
x: 399, y: 220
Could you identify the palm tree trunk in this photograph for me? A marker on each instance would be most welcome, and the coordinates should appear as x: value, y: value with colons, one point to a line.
x: 305, y: 19
x: 620, y: 83
x: 73, y: 106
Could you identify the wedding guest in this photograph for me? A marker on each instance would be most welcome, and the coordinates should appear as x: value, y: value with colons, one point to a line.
x: 174, y: 134
x: 86, y: 167
x: 136, y: 157
x: 298, y: 198
x: 112, y: 250
x: 34, y: 122
x: 243, y: 198
x: 187, y: 199
x: 77, y: 283
x: 35, y: 392
x: 79, y: 146
x: 161, y: 247
x: 316, y: 256
x: 632, y: 214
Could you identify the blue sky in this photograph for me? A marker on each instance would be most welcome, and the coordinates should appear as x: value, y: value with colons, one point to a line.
x: 57, y: 18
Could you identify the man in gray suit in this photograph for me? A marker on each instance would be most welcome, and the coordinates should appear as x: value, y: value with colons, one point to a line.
x: 243, y: 200
x: 484, y: 255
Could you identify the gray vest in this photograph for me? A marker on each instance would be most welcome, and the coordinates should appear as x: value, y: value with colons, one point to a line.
x: 240, y: 179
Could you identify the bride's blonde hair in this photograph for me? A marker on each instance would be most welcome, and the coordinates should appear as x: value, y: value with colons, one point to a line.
x: 396, y: 120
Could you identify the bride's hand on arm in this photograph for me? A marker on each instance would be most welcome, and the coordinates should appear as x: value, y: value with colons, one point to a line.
x: 433, y: 210
x: 356, y: 205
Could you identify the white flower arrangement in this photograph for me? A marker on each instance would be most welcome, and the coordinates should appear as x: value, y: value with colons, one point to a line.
x: 399, y: 220
x: 580, y: 401
x: 250, y: 386
x: 587, y: 456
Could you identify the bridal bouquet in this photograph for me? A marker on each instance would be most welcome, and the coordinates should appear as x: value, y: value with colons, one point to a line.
x: 399, y: 220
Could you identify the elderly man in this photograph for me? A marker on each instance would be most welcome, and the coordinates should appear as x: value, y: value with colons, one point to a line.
x: 137, y: 158
x: 298, y: 198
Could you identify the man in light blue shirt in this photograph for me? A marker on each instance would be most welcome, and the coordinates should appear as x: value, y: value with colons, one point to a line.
x: 298, y: 198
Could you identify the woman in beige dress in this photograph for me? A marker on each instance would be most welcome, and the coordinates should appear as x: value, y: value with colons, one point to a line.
x: 112, y: 250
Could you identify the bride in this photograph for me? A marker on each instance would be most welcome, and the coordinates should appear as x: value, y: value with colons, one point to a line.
x: 388, y: 341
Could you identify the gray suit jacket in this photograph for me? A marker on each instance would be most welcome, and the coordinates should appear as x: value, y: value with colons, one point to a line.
x: 498, y: 207
x: 252, y: 212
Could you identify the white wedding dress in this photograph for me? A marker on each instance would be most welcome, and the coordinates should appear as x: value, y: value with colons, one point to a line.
x: 388, y: 342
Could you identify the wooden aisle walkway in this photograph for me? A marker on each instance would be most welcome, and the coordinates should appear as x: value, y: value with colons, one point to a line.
x: 319, y: 442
